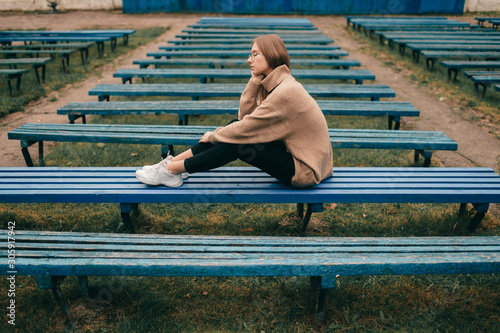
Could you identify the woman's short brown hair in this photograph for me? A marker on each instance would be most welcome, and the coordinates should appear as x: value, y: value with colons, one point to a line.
x: 273, y: 49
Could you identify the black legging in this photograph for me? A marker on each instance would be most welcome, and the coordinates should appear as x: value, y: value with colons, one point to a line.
x: 271, y: 157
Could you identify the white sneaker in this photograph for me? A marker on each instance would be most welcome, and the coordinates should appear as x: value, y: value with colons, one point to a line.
x: 159, y: 175
x: 167, y: 159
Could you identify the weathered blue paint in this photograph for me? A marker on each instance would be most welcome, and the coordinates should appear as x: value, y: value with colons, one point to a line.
x: 345, y: 7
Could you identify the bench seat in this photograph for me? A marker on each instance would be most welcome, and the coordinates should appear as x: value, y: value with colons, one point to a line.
x: 454, y: 66
x: 13, y: 74
x: 99, y: 41
x: 449, y: 40
x: 51, y: 256
x: 34, y: 62
x: 252, y: 32
x: 479, y: 186
x: 213, y: 62
x: 243, y: 53
x: 393, y: 110
x: 197, y: 90
x: 418, y: 48
x: 82, y: 47
x: 431, y: 56
x: 200, y: 39
x: 484, y: 81
x: 358, y: 76
x: 215, y: 44
x: 423, y: 142
x: 64, y: 54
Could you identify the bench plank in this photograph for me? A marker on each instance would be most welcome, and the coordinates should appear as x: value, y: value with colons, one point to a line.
x: 423, y: 142
x: 197, y: 90
x: 212, y: 62
x: 34, y: 62
x: 394, y: 110
x: 237, y: 45
x: 244, y: 53
x: 205, y: 74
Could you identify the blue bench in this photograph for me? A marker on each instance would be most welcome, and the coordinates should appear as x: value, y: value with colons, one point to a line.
x: 358, y: 20
x: 244, y: 39
x: 51, y: 256
x: 35, y: 63
x: 197, y: 90
x: 244, y: 53
x: 238, y: 27
x: 205, y: 74
x: 99, y: 41
x: 418, y: 35
x: 64, y: 54
x: 431, y: 56
x: 484, y: 81
x: 448, y: 40
x: 481, y: 20
x: 418, y: 48
x: 479, y: 186
x: 454, y: 66
x: 252, y: 32
x: 213, y: 62
x: 113, y: 33
x: 13, y: 74
x: 393, y: 110
x: 423, y: 142
x: 83, y: 48
x: 215, y: 44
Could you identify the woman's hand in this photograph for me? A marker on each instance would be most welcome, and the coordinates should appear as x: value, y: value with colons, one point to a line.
x: 205, y: 138
x: 257, y: 78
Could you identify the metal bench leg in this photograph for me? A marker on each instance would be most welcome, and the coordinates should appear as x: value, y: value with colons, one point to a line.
x: 476, y: 88
x: 426, y: 154
x: 83, y: 285
x: 481, y: 210
x: 311, y: 207
x: 26, y: 154
x: 126, y: 209
x: 40, y: 153
x: 10, y: 86
x: 455, y: 71
x: 35, y: 68
x: 327, y: 282
x: 60, y: 299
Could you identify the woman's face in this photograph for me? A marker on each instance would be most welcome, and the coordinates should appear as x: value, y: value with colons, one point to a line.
x: 258, y: 63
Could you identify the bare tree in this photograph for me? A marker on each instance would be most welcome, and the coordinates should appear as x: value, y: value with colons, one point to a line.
x: 53, y: 4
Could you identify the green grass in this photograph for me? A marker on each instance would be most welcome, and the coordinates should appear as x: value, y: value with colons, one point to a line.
x: 57, y: 79
x: 426, y: 303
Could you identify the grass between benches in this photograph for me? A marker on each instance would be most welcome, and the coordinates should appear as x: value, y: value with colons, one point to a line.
x: 57, y: 79
x: 413, y: 303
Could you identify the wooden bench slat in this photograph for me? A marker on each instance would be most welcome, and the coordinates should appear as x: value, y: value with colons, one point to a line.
x: 244, y: 53
x: 232, y: 45
x: 205, y: 74
x: 194, y: 90
x: 394, y: 110
x: 212, y: 62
